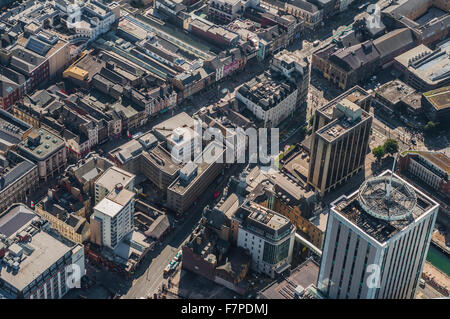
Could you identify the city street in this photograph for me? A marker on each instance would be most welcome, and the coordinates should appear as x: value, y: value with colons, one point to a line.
x: 149, y: 276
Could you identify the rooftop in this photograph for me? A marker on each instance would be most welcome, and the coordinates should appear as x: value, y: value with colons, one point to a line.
x: 303, y: 276
x: 440, y: 98
x: 267, y: 90
x: 395, y: 91
x: 382, y: 229
x: 430, y: 66
x: 349, y: 116
x: 178, y: 186
x: 439, y: 159
x: 356, y: 94
x: 180, y: 120
x: 12, y: 168
x: 108, y: 207
x: 162, y: 159
x: 39, y: 254
x: 114, y: 176
x: 41, y: 144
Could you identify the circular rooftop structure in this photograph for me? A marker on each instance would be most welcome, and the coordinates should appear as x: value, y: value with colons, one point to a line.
x: 396, y: 204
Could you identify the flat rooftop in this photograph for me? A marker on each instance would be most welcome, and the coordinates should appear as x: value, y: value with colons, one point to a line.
x: 178, y: 186
x: 162, y: 159
x: 114, y: 176
x: 395, y: 91
x: 379, y: 229
x: 440, y: 160
x: 320, y: 221
x: 108, y: 207
x: 10, y: 123
x: 440, y: 98
x: 12, y: 168
x: 121, y: 197
x: 180, y: 120
x: 49, y: 143
x: 304, y: 275
x: 355, y: 95
x: 267, y: 90
x: 267, y: 217
x: 430, y: 66
x: 41, y: 252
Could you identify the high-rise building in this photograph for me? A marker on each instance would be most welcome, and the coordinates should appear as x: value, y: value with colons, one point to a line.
x: 339, y: 143
x: 112, y: 178
x: 113, y: 218
x: 377, y: 240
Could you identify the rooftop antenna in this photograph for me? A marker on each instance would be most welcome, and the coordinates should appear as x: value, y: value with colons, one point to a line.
x: 388, y: 192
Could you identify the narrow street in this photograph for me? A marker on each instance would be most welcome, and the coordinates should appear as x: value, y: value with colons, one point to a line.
x: 149, y: 275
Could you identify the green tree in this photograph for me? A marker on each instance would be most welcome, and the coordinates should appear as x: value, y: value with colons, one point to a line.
x: 311, y: 120
x: 378, y: 152
x: 430, y: 127
x: 390, y: 146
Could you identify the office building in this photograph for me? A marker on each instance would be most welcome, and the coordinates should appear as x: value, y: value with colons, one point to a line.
x: 431, y: 168
x: 47, y: 150
x: 195, y: 177
x: 268, y: 236
x: 339, y: 143
x: 425, y: 69
x: 36, y: 263
x: 383, y: 228
x: 436, y: 104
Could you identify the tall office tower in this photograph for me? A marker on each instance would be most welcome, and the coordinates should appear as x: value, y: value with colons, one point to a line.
x: 377, y: 240
x: 339, y: 143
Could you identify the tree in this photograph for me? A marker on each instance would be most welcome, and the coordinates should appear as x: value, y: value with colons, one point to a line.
x: 378, y: 152
x: 430, y: 127
x: 311, y: 119
x: 390, y: 146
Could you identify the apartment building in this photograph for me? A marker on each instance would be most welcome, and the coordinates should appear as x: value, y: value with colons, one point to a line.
x: 113, y: 218
x: 110, y: 179
x: 383, y: 227
x: 339, y: 144
x: 269, y: 97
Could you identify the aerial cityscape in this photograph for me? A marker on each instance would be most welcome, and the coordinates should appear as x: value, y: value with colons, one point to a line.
x: 225, y: 149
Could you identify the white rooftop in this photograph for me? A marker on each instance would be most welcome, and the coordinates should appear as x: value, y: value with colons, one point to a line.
x: 108, y: 207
